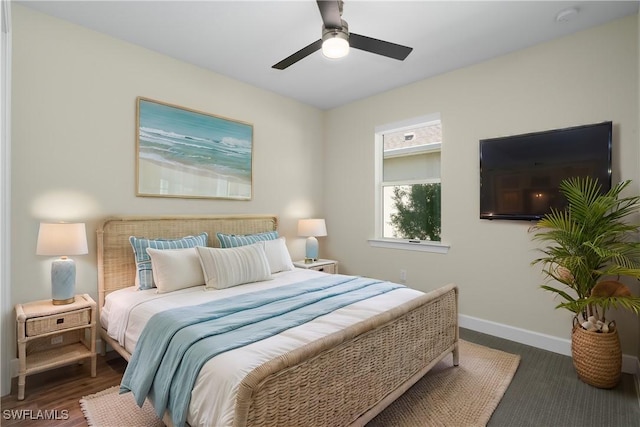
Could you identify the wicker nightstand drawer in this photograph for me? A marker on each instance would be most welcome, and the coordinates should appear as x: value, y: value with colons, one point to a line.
x: 328, y: 266
x: 42, y: 325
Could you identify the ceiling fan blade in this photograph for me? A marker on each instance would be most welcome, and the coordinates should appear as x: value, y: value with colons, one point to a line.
x: 301, y: 54
x: 330, y: 12
x: 380, y: 47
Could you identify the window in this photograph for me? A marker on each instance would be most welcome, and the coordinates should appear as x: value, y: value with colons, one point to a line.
x: 408, y: 181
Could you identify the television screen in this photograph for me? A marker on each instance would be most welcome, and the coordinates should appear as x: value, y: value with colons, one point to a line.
x: 520, y: 175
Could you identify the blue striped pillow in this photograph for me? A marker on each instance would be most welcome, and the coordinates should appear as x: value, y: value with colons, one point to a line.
x: 144, y: 273
x: 235, y: 240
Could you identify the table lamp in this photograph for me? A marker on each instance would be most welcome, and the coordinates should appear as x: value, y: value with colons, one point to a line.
x: 62, y: 239
x: 311, y: 228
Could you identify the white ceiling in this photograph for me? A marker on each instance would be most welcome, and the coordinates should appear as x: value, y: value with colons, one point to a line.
x: 243, y: 39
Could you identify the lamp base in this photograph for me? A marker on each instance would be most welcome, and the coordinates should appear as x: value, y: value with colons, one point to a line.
x: 63, y: 281
x: 311, y: 249
x: 63, y: 301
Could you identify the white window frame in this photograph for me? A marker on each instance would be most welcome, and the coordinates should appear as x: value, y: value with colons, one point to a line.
x: 392, y: 243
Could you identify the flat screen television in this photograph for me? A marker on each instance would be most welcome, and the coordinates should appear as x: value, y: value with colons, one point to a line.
x: 520, y: 175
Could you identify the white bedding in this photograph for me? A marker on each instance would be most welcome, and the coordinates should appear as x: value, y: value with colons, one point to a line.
x: 126, y: 312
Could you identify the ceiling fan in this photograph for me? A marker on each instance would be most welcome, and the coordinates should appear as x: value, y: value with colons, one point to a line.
x: 336, y: 39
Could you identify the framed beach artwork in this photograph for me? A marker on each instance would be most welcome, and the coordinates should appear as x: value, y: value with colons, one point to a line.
x: 187, y: 153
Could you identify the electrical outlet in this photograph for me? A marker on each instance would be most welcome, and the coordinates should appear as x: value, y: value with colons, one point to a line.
x: 403, y: 276
x: 56, y: 340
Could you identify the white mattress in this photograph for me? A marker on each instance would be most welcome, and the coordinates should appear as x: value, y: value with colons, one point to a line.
x: 126, y: 312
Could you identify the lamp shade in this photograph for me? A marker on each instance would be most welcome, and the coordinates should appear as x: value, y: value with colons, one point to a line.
x: 312, y: 227
x: 62, y: 239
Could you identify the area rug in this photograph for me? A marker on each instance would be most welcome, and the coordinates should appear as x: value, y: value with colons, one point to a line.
x: 465, y: 395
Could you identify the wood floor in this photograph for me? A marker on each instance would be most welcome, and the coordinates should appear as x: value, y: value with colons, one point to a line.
x: 58, y: 392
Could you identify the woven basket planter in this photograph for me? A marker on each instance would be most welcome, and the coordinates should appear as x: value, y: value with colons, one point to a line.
x: 597, y: 357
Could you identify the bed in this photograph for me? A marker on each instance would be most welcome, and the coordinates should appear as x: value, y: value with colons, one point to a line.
x: 343, y: 372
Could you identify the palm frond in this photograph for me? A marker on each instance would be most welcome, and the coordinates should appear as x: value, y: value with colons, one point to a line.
x: 627, y: 303
x: 591, y: 240
x: 560, y: 292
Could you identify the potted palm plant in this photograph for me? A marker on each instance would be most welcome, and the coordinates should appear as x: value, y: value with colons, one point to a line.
x: 590, y: 246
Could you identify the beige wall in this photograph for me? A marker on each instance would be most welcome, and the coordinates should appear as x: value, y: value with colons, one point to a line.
x: 74, y: 94
x: 585, y: 78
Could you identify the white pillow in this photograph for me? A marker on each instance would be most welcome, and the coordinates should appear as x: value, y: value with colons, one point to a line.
x: 278, y: 255
x: 175, y: 269
x: 228, y: 267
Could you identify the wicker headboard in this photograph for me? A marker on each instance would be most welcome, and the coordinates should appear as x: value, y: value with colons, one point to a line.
x: 116, y: 266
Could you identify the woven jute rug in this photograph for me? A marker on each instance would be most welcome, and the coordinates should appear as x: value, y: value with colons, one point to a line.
x: 462, y: 396
x: 465, y: 395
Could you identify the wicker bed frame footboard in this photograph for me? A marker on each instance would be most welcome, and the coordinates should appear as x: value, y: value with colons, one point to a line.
x: 349, y: 377
x: 346, y: 378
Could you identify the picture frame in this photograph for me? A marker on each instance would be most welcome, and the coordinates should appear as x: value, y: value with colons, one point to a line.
x: 187, y: 153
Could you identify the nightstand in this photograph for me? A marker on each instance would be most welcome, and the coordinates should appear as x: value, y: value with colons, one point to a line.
x: 50, y: 336
x: 324, y: 265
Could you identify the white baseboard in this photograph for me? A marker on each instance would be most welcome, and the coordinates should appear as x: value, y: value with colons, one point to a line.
x: 630, y: 364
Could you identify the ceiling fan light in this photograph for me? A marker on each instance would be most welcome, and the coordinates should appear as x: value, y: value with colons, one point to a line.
x: 335, y: 45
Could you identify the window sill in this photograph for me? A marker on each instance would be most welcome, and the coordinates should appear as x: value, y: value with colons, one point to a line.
x: 421, y: 246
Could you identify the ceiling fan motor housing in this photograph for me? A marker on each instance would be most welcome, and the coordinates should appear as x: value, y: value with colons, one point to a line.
x: 342, y: 32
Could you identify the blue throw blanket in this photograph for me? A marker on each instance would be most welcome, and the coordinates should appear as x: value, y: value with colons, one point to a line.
x: 176, y: 343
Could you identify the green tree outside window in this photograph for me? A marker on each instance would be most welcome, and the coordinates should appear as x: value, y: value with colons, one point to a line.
x: 418, y: 211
